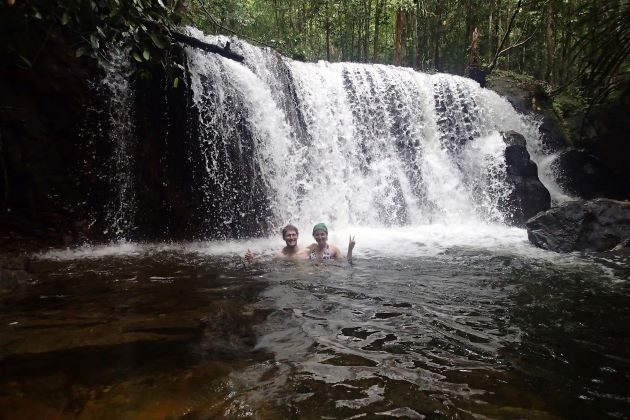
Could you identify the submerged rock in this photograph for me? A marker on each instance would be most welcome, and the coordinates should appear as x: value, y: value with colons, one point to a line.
x: 528, y: 196
x: 596, y: 225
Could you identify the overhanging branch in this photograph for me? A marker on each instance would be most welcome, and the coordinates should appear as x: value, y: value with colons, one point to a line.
x: 505, y: 37
x: 194, y: 42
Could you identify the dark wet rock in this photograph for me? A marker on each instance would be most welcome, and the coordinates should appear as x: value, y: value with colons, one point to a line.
x: 512, y: 138
x: 528, y: 96
x: 553, y: 136
x: 596, y: 225
x: 583, y: 175
x: 528, y: 196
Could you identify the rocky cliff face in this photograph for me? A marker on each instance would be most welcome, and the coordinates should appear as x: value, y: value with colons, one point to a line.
x: 55, y: 153
x: 42, y: 114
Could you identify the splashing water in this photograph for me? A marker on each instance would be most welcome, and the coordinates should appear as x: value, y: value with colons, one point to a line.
x: 351, y: 144
x: 116, y: 87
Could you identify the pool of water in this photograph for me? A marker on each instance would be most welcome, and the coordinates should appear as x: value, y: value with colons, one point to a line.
x: 423, y: 324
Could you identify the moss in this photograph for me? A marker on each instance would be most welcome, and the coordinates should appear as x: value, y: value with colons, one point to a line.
x: 570, y: 107
x: 516, y: 80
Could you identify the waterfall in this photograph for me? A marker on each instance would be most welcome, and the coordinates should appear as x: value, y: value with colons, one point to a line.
x: 347, y: 143
x: 116, y: 88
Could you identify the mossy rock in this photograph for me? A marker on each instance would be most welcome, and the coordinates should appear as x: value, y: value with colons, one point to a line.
x: 529, y: 96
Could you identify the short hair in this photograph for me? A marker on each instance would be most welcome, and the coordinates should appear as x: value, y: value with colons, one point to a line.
x: 288, y: 228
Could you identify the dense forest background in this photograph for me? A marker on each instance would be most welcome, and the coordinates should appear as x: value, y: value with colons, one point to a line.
x: 569, y: 44
x: 582, y: 44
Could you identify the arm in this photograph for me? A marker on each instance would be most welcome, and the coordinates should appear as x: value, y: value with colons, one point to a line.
x: 351, y: 243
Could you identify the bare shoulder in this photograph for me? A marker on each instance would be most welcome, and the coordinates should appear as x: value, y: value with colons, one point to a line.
x: 336, y: 252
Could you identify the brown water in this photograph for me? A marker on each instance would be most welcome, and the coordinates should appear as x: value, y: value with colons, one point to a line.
x: 462, y: 334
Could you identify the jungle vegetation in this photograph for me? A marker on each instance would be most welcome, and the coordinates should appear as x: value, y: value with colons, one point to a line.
x: 581, y: 45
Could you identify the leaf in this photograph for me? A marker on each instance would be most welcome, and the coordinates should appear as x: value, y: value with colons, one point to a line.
x: 79, y: 52
x: 137, y: 57
x: 176, y: 82
x: 146, y: 55
x: 26, y: 61
x: 156, y: 40
x: 64, y: 19
x: 94, y: 41
x: 161, y: 3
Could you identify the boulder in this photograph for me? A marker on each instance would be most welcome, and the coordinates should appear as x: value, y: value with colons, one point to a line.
x: 528, y: 196
x: 596, y: 225
x: 581, y: 174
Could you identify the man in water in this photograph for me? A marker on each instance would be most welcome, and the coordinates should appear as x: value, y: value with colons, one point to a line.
x: 291, y: 251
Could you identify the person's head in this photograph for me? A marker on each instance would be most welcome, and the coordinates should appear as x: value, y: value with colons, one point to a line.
x: 320, y: 233
x: 290, y: 235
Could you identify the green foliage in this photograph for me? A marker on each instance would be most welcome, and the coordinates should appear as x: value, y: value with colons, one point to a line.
x: 603, y: 50
x: 580, y: 43
x: 93, y: 26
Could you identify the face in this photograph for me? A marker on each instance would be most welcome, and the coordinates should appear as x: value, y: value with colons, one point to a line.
x: 291, y: 237
x: 320, y: 236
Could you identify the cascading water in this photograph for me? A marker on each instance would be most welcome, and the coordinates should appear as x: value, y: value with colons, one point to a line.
x: 346, y: 143
x: 119, y: 95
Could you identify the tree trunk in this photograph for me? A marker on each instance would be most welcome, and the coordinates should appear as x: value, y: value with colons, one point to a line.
x: 397, y: 36
x: 549, y: 43
x: 377, y: 23
x: 567, y: 36
x: 469, y: 30
x: 404, y: 36
x: 436, y: 39
x: 490, y: 35
x: 327, y: 33
x: 366, y: 19
x: 277, y: 16
x: 414, y: 29
x: 507, y: 37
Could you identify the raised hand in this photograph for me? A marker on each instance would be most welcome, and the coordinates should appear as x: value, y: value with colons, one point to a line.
x: 351, y: 242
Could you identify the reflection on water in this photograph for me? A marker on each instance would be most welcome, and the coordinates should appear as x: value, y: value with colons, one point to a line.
x: 167, y: 332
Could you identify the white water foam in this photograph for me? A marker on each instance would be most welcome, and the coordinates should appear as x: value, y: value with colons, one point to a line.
x: 397, y: 243
x: 374, y: 145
